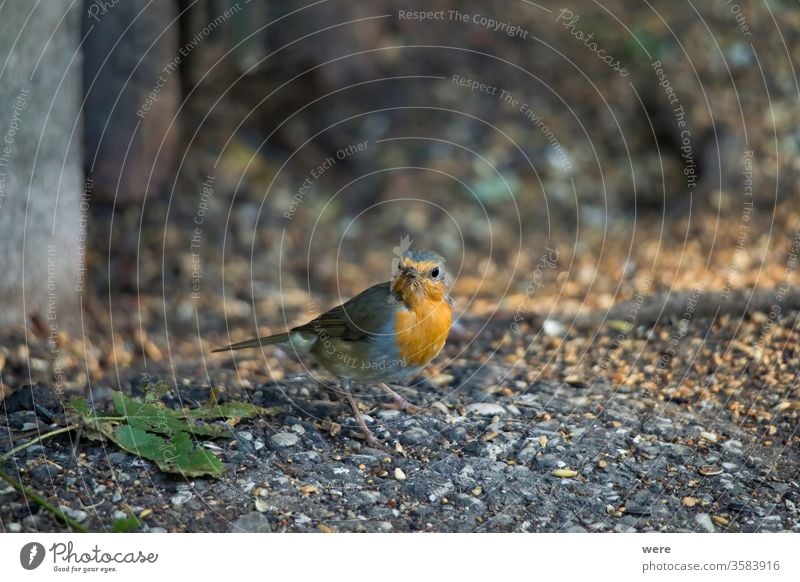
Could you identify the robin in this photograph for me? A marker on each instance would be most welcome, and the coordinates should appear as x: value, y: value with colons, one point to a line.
x: 384, y: 334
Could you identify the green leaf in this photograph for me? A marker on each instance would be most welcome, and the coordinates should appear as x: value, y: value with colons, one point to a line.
x: 153, y: 431
x: 160, y: 419
x: 194, y: 461
x: 80, y: 405
x: 155, y: 391
x: 126, y: 524
x: 141, y: 443
x: 175, y: 455
x: 230, y: 410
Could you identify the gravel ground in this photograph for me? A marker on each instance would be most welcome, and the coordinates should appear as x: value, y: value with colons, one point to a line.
x: 494, y: 451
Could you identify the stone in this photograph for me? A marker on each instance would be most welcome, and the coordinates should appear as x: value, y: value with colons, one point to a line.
x: 180, y: 498
x: 283, y: 440
x: 486, y: 409
x: 703, y: 520
x: 414, y: 436
x: 252, y: 522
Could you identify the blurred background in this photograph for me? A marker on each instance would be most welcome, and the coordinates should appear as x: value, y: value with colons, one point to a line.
x: 178, y: 174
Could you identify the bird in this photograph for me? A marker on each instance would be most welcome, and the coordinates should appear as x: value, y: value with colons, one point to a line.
x: 384, y: 334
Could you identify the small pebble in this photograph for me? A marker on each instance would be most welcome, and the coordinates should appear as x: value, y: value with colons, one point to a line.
x: 180, y: 498
x: 440, y: 407
x: 440, y: 379
x: 553, y: 328
x: 704, y: 521
x: 565, y: 473
x: 486, y: 409
x: 414, y: 436
x: 77, y: 514
x: 708, y: 436
x: 720, y: 520
x: 283, y: 440
x: 253, y: 522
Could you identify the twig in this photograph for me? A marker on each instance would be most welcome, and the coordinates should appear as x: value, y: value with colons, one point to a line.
x: 57, y: 512
x: 46, y: 435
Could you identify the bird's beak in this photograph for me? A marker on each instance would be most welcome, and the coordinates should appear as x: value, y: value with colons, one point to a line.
x: 410, y: 273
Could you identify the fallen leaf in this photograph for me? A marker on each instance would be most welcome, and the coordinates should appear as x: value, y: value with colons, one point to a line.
x: 153, y: 431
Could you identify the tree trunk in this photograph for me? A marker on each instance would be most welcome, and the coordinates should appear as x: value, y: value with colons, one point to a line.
x: 40, y: 162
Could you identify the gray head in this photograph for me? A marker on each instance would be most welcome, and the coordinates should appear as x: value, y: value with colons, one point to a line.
x: 420, y: 271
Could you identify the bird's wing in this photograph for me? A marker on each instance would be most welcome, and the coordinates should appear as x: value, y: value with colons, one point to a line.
x: 365, y: 314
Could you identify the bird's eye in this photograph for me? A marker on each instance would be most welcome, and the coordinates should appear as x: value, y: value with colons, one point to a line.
x: 435, y: 272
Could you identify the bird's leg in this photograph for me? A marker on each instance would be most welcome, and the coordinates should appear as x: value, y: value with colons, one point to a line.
x: 400, y: 401
x: 368, y: 436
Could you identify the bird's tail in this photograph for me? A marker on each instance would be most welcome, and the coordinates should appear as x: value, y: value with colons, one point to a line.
x: 278, y: 338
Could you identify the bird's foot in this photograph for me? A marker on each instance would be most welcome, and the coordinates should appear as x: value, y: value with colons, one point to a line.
x: 404, y: 405
x: 399, y: 402
x: 371, y: 440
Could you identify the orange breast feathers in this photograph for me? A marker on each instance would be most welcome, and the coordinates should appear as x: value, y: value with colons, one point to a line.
x: 422, y: 330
